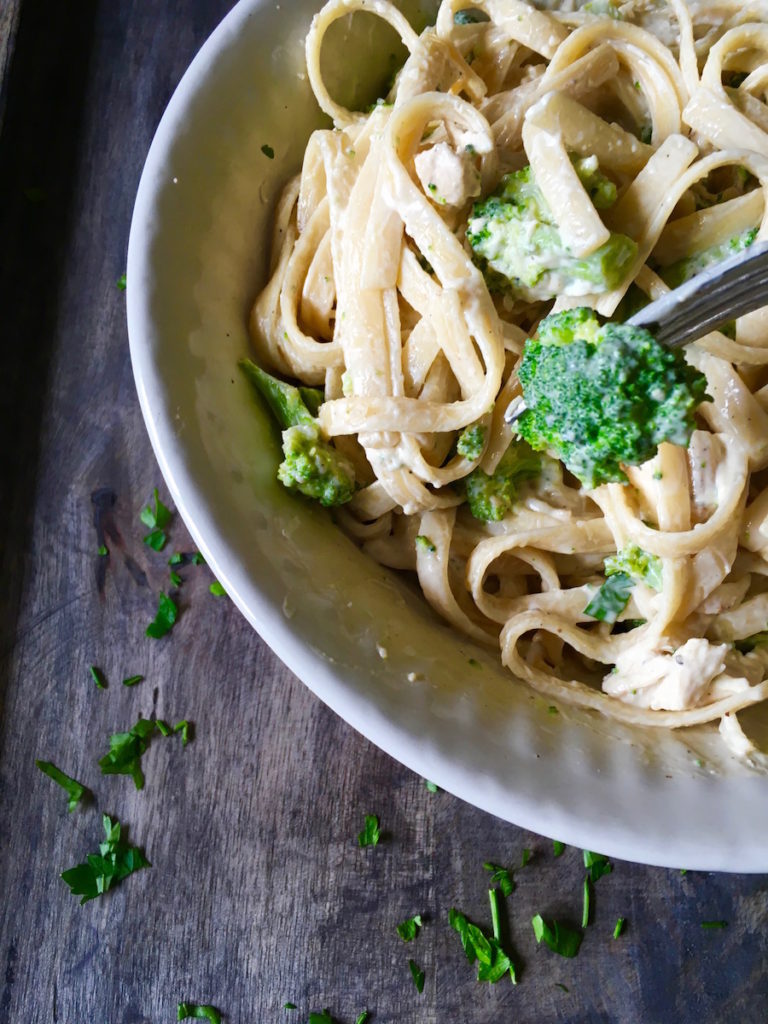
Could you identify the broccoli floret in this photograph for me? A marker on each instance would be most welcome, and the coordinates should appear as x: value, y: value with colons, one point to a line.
x: 640, y: 565
x: 518, y: 246
x: 471, y: 442
x: 677, y: 273
x: 599, y: 397
x: 311, y: 465
x: 491, y: 497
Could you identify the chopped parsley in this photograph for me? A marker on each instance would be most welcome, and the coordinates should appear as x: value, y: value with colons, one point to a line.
x: 156, y: 519
x: 501, y: 875
x: 176, y: 580
x: 290, y: 1006
x: 122, y: 282
x: 561, y: 940
x: 126, y: 748
x: 558, y: 848
x: 714, y: 924
x: 611, y: 599
x: 409, y: 929
x: 176, y: 558
x: 198, y: 1011
x: 321, y: 1018
x: 165, y: 617
x: 431, y: 786
x: 197, y: 559
x: 597, y: 864
x: 493, y: 962
x: 98, y: 677
x: 371, y: 833
x: 425, y: 544
x: 268, y: 152
x: 114, y: 862
x: 619, y: 927
x: 217, y: 590
x: 527, y: 854
x: 102, y: 550
x: 132, y: 680
x: 417, y: 974
x: 363, y: 1017
x: 125, y: 751
x: 585, y: 904
x: 76, y: 790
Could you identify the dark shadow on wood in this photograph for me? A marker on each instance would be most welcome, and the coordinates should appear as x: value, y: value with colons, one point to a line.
x: 44, y: 100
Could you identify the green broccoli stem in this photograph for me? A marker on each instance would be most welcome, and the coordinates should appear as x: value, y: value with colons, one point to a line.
x: 288, y: 404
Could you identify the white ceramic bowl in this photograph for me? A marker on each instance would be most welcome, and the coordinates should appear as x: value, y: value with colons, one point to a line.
x: 196, y: 260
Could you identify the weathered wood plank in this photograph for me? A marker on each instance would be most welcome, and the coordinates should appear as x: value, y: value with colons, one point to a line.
x: 258, y: 893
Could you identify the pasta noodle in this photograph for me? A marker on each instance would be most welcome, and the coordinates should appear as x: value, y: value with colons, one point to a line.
x: 375, y: 297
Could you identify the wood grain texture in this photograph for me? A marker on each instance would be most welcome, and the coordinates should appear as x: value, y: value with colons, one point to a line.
x: 258, y: 893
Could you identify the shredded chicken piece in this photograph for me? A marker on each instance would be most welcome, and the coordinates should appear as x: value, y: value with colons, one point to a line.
x: 449, y: 178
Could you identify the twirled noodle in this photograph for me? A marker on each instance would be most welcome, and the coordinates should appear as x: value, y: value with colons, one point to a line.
x: 373, y: 294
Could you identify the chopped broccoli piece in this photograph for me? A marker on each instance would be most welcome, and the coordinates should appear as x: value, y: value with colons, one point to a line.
x: 315, y: 468
x: 490, y: 498
x: 640, y: 565
x: 289, y: 405
x: 425, y: 543
x: 311, y: 465
x: 470, y: 16
x: 471, y: 442
x: 677, y: 273
x: 604, y: 8
x: 599, y: 397
x: 517, y: 245
x: 749, y: 643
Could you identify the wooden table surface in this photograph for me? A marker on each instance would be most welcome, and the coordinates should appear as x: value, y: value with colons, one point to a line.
x: 258, y: 893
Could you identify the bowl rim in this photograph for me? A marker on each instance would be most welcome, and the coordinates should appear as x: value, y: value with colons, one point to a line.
x: 527, y: 808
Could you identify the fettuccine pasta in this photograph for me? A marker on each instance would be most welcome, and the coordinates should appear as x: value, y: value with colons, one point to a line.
x: 376, y: 296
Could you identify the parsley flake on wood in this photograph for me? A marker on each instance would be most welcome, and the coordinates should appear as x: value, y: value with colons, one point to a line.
x: 156, y: 519
x: 76, y: 790
x: 417, y: 974
x: 431, y: 786
x: 102, y: 550
x: 558, y: 848
x: 176, y: 580
x: 197, y: 559
x: 492, y: 962
x: 409, y: 929
x: 619, y: 927
x: 122, y: 282
x: 321, y: 1018
x: 198, y: 1011
x: 176, y: 558
x: 217, y: 589
x: 371, y: 833
x: 611, y: 599
x: 585, y: 904
x: 114, y: 862
x: 527, y: 854
x: 597, y: 864
x: 132, y: 680
x: 363, y: 1017
x: 185, y: 728
x: 125, y: 751
x: 501, y: 875
x: 714, y: 924
x: 164, y: 620
x: 98, y: 677
x: 290, y: 1006
x: 560, y: 939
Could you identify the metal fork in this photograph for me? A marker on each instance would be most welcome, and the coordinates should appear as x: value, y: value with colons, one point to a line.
x: 729, y: 289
